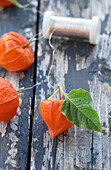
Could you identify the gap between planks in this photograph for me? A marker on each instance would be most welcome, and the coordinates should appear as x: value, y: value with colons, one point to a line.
x: 34, y: 89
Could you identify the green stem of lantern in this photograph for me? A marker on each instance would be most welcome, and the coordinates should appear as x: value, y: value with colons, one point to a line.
x: 60, y: 88
x: 29, y: 42
x: 53, y: 94
x: 18, y: 4
x: 20, y: 89
x: 60, y: 94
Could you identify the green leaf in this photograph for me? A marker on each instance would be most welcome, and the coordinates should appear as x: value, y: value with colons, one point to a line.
x: 77, y: 107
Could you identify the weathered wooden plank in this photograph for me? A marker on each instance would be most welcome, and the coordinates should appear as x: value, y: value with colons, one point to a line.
x: 100, y: 90
x: 73, y: 148
x: 100, y: 86
x: 14, y: 135
x: 77, y: 64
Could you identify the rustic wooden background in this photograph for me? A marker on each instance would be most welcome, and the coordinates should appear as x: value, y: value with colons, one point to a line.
x: 25, y: 141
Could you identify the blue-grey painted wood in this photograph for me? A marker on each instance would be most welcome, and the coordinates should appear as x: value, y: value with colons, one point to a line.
x: 14, y: 135
x: 77, y: 65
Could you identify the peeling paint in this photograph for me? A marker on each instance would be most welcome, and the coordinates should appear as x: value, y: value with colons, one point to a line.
x: 12, y: 151
x: 100, y: 93
x: 3, y: 127
x: 10, y: 132
x: 33, y: 2
x: 42, y: 94
x: 108, y: 27
x: 45, y: 63
x: 75, y: 10
x: 103, y: 9
x: 73, y: 147
x: 61, y: 68
x: 40, y: 51
x: 32, y: 160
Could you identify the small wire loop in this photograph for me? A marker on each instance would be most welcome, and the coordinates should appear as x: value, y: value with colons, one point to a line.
x: 53, y: 58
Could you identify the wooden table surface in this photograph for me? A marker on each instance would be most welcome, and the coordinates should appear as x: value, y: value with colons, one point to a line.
x: 25, y: 141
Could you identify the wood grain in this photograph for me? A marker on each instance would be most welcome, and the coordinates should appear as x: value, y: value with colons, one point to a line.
x: 14, y: 135
x: 77, y: 65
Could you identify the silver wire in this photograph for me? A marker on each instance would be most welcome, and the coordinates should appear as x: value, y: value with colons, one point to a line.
x: 53, y: 56
x: 48, y: 77
x: 70, y: 27
x: 37, y: 84
x: 40, y: 33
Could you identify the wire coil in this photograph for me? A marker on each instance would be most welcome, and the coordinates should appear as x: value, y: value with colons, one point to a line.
x: 88, y: 29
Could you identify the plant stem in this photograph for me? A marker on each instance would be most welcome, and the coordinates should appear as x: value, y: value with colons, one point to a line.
x: 60, y: 94
x: 29, y: 43
x: 53, y: 94
x: 18, y: 4
x: 60, y: 87
x: 20, y: 89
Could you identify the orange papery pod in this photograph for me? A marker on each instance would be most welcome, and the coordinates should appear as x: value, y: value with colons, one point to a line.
x: 15, y: 52
x: 5, y: 3
x: 9, y: 100
x: 53, y: 117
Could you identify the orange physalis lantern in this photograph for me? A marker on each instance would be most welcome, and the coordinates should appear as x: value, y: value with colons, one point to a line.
x: 53, y: 117
x: 9, y: 100
x: 5, y: 3
x: 15, y: 52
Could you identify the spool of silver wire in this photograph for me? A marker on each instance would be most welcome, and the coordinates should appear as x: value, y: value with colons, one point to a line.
x: 80, y: 28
